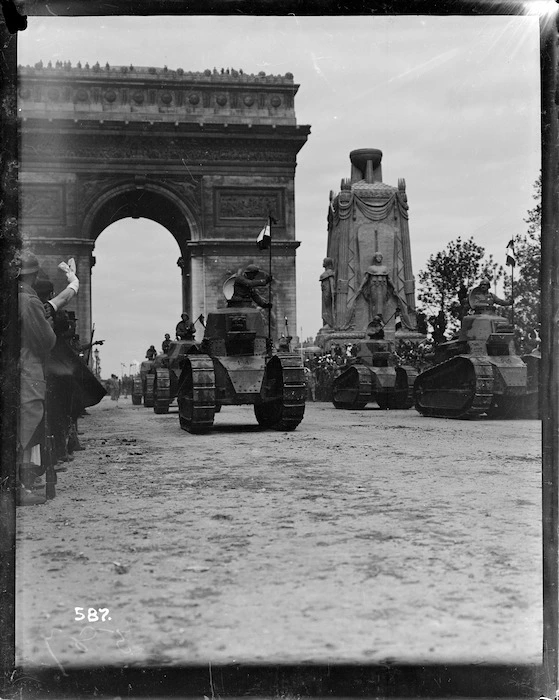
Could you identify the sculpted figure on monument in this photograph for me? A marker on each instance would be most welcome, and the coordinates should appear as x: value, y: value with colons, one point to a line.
x: 327, y: 286
x: 379, y: 292
x: 375, y: 287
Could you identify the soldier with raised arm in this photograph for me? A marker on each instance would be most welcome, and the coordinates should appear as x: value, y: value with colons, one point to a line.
x: 244, y: 292
x: 481, y: 299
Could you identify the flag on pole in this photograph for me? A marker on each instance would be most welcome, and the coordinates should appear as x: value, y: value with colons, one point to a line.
x: 511, y: 256
x: 264, y: 237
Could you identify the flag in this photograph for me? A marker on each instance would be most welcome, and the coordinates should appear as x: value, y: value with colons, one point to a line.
x: 398, y: 320
x: 511, y: 257
x: 264, y: 239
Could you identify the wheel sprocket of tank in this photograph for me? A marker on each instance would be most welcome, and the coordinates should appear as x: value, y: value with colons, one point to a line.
x: 149, y: 395
x: 352, y: 389
x: 284, y: 391
x: 196, y: 394
x: 461, y: 387
x: 161, y: 391
x: 137, y: 391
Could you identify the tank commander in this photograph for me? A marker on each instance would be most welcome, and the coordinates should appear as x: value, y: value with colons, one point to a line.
x: 375, y: 329
x: 244, y: 292
x: 481, y: 299
x: 185, y: 329
x: 166, y: 344
x: 151, y: 353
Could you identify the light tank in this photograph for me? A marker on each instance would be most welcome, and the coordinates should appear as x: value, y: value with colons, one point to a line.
x: 374, y: 376
x: 143, y: 385
x: 137, y: 390
x: 167, y: 370
x: 235, y: 365
x: 479, y: 372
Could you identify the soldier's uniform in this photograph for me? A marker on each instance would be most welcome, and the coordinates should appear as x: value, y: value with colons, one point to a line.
x: 244, y: 292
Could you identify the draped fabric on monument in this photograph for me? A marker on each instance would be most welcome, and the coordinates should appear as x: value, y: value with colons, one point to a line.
x: 349, y: 249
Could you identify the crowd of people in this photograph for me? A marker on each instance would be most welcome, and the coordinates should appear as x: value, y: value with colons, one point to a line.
x: 53, y: 380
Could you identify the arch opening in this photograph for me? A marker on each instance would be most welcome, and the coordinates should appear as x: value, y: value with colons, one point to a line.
x: 149, y: 201
x: 135, y: 278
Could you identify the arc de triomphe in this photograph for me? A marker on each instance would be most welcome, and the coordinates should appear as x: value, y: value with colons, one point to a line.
x: 205, y: 154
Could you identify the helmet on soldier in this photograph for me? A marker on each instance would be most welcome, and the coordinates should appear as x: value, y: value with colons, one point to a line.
x: 28, y: 263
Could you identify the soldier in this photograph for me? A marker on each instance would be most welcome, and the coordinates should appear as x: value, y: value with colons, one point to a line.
x: 185, y: 330
x: 284, y: 343
x: 375, y: 329
x: 166, y: 344
x: 244, y: 292
x: 37, y: 340
x: 439, y: 327
x: 481, y: 299
x: 151, y: 353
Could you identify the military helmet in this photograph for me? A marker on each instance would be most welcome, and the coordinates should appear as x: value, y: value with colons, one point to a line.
x: 252, y: 268
x: 28, y: 263
x: 485, y: 281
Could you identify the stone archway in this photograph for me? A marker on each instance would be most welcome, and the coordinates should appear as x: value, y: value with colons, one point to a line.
x: 148, y: 200
x: 208, y: 155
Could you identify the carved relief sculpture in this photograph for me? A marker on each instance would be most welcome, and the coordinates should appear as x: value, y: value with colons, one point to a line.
x: 327, y: 286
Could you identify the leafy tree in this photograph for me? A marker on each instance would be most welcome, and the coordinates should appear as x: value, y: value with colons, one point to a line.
x: 527, y: 271
x: 451, y: 272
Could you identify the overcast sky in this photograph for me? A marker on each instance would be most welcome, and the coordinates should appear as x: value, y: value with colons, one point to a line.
x: 453, y: 103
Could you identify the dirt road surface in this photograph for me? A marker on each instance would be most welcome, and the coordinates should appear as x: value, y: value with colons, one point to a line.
x: 363, y: 536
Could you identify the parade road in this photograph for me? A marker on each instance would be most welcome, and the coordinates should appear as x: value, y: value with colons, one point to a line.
x: 363, y: 536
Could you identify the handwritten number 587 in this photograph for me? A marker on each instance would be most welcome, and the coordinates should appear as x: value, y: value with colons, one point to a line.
x: 93, y: 615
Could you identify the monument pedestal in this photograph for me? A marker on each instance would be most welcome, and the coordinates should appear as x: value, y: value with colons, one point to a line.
x: 327, y: 337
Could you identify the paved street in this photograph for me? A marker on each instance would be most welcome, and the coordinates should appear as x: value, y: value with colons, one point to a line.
x: 362, y: 536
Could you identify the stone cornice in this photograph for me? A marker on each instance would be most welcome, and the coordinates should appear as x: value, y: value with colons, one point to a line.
x: 65, y: 71
x: 43, y: 123
x: 53, y: 242
x: 116, y: 147
x: 138, y: 94
x: 277, y: 245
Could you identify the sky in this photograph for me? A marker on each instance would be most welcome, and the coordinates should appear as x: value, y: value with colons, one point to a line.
x: 452, y: 102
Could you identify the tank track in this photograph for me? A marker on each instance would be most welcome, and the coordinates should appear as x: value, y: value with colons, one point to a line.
x: 137, y: 391
x: 285, y: 393
x: 407, y: 400
x: 148, y: 396
x: 467, y: 393
x: 402, y: 395
x: 196, y: 394
x: 356, y: 383
x: 162, y: 391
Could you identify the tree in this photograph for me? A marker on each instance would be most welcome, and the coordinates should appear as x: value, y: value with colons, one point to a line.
x: 451, y: 272
x: 527, y: 271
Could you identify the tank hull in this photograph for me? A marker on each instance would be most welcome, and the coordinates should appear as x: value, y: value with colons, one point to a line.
x: 358, y: 385
x: 275, y: 386
x: 469, y: 387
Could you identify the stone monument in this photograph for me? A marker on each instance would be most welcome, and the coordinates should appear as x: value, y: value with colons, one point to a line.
x: 368, y: 268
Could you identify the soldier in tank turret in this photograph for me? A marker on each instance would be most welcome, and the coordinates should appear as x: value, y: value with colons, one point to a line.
x: 244, y: 292
x: 166, y: 344
x: 375, y: 329
x: 185, y: 329
x: 151, y: 353
x: 481, y: 299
